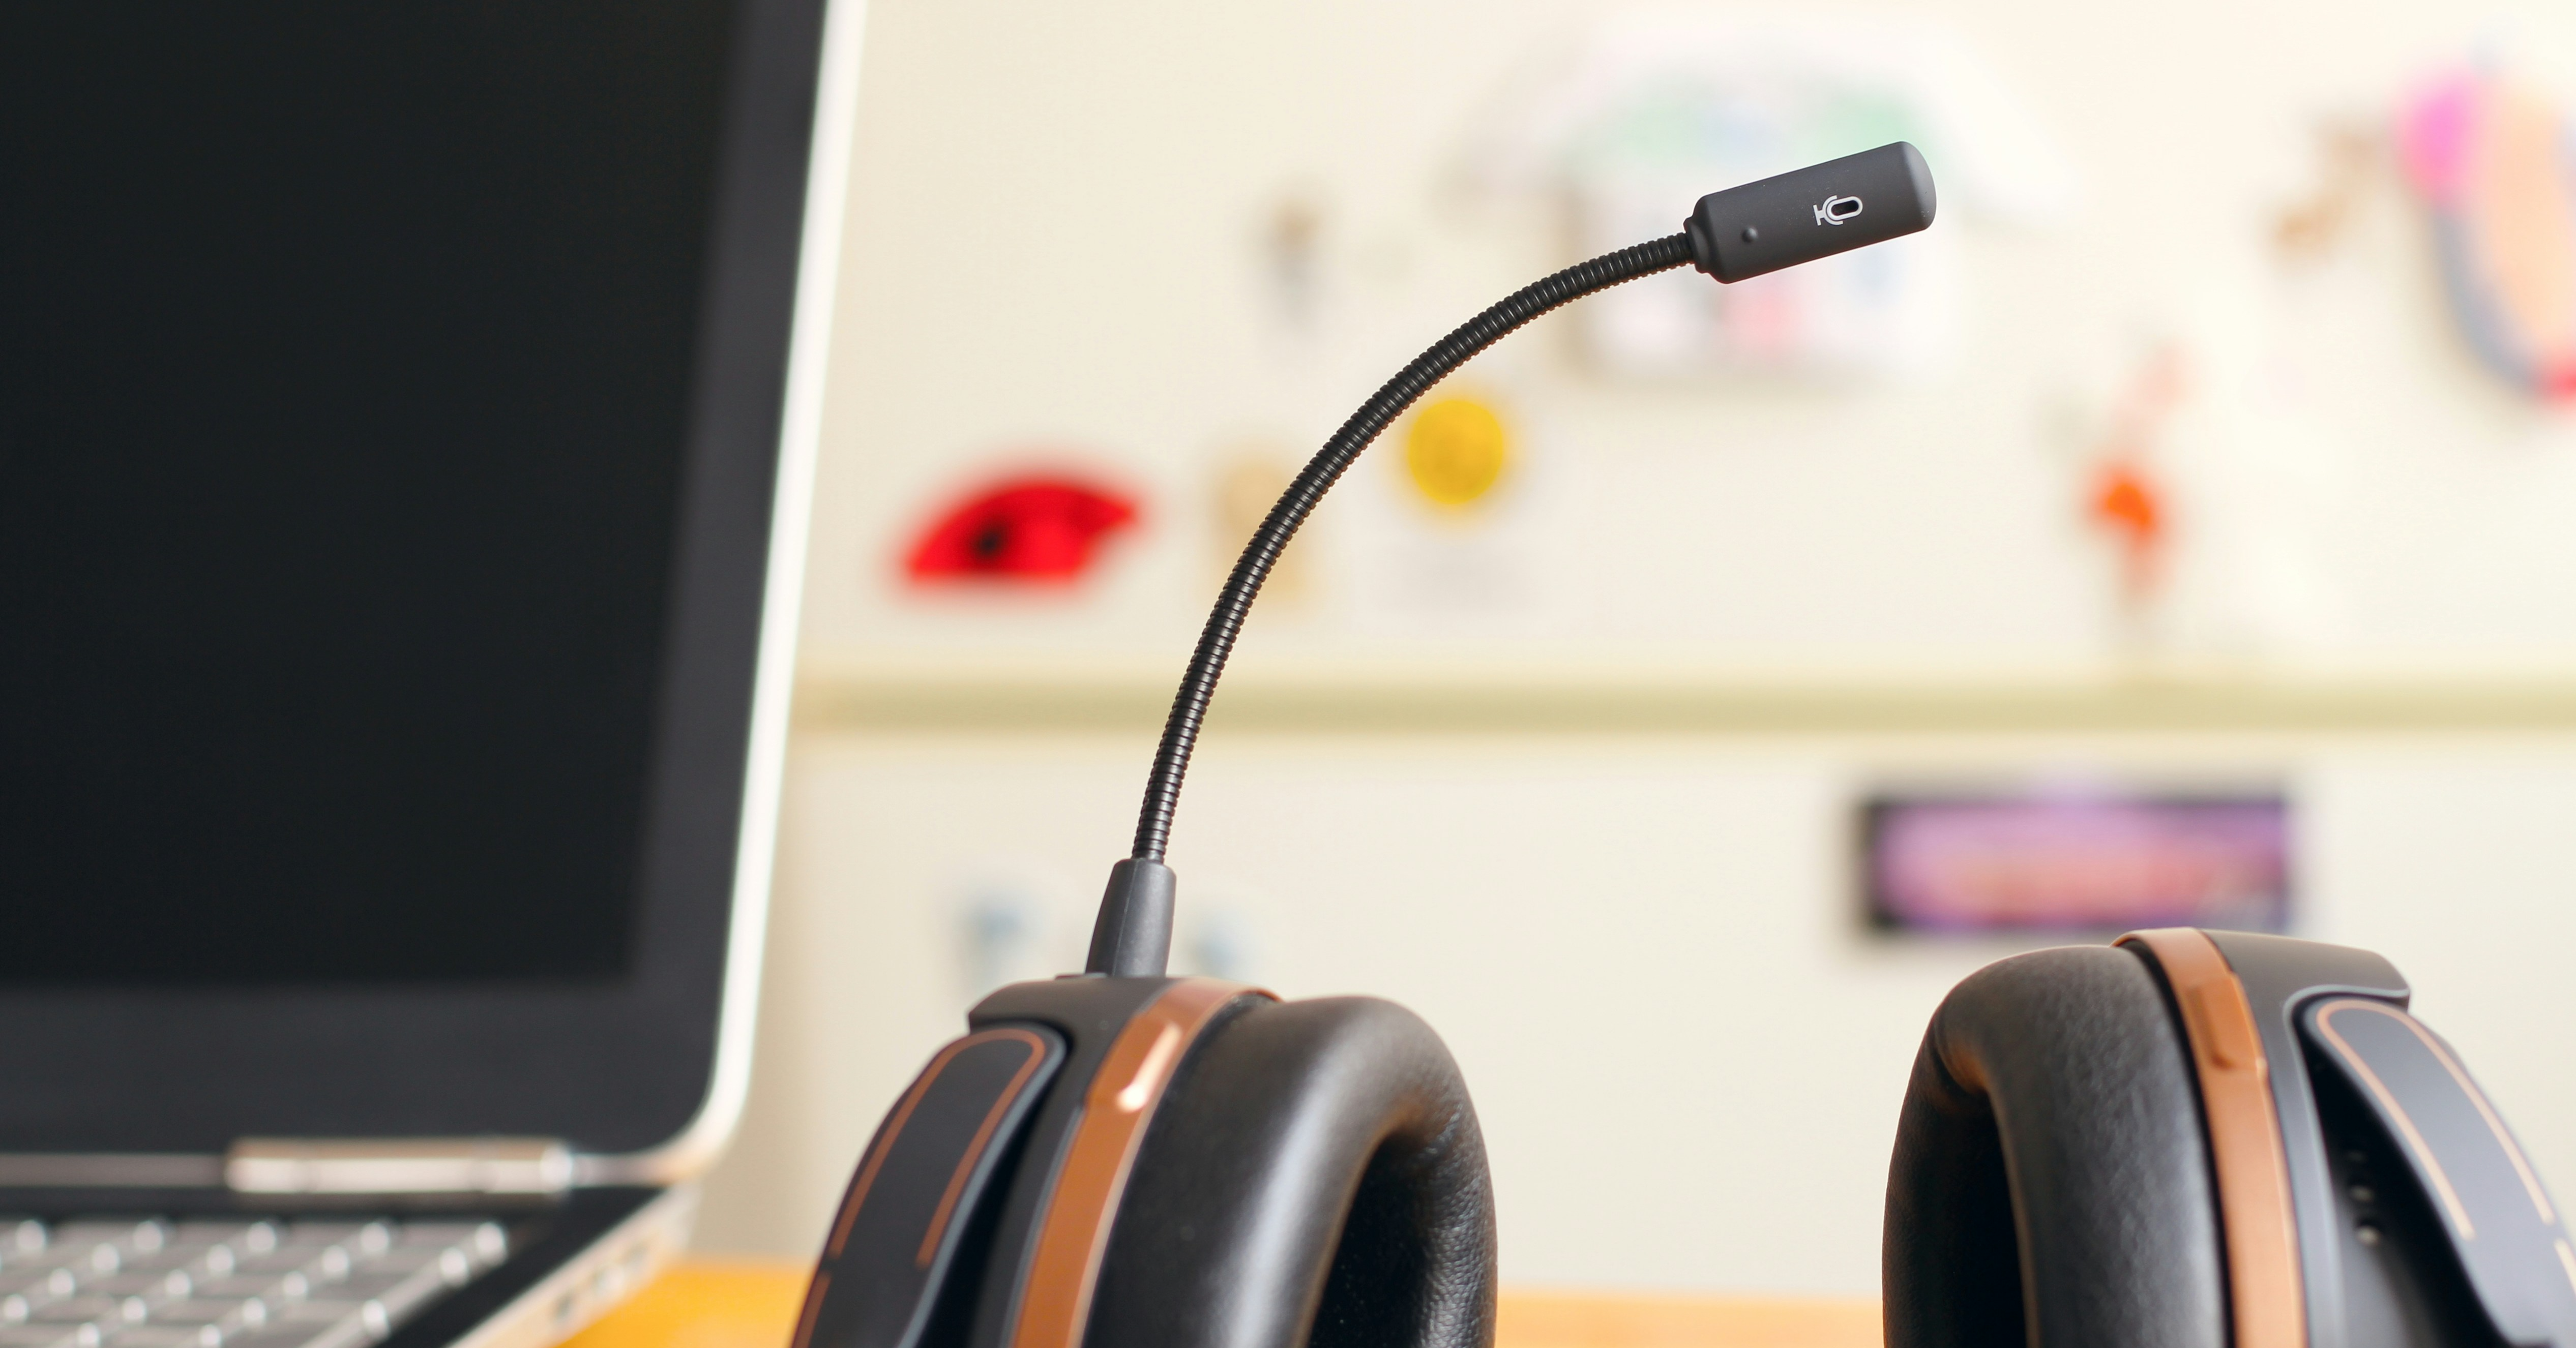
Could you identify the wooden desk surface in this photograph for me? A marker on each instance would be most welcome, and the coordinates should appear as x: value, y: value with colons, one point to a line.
x: 753, y: 1305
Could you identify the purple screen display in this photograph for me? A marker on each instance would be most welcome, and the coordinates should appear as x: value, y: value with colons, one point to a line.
x: 2068, y: 862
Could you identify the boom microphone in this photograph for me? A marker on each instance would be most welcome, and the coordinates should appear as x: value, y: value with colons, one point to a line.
x: 1121, y: 1158
x: 1761, y: 227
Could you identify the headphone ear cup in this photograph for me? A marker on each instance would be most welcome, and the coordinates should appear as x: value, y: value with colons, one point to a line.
x: 2051, y: 1182
x: 1313, y: 1174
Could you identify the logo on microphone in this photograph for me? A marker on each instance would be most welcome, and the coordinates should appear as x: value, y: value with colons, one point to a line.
x: 1835, y: 210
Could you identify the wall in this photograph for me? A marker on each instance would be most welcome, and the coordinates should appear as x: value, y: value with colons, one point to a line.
x: 1639, y: 944
x: 1687, y: 1061
x: 1055, y: 253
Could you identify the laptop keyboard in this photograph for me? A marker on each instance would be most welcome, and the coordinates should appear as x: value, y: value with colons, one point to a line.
x: 230, y: 1284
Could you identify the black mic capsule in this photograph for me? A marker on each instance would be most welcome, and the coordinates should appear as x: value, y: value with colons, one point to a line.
x: 1813, y: 212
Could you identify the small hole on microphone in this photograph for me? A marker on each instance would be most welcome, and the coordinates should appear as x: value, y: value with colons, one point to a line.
x: 2366, y: 1234
x: 1750, y: 233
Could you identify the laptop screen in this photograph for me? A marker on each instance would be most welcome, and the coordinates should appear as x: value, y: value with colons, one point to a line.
x: 344, y: 364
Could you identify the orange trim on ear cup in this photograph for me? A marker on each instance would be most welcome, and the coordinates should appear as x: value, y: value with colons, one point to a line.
x: 2269, y: 1307
x: 975, y: 1146
x: 1055, y: 1304
x: 902, y: 1115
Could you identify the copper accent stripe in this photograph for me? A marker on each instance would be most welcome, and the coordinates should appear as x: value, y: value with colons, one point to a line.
x: 2495, y: 1124
x: 2459, y: 1213
x: 2267, y: 1302
x: 813, y: 1306
x: 1073, y: 1235
x: 983, y: 1138
x: 893, y: 1129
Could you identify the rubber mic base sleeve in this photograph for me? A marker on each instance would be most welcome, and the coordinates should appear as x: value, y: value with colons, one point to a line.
x: 1814, y: 212
x: 1132, y: 937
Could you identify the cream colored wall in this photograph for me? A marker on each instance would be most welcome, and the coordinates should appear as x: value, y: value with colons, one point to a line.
x: 1054, y: 242
x: 1687, y: 1064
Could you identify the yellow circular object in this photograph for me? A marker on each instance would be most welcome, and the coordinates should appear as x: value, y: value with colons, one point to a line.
x: 1456, y: 451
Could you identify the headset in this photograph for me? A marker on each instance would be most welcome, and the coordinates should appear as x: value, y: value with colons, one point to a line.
x: 2209, y: 1137
x: 2177, y: 1140
x: 1119, y: 1158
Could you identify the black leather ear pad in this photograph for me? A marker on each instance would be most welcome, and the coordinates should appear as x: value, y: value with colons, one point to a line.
x: 2051, y: 1183
x: 1314, y: 1174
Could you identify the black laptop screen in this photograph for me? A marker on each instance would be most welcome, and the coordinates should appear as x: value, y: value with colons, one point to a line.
x: 344, y: 363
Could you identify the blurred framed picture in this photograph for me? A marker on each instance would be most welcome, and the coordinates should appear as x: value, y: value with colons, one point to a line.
x: 2074, y: 861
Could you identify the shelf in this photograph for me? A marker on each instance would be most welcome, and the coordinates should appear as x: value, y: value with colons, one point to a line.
x: 997, y: 698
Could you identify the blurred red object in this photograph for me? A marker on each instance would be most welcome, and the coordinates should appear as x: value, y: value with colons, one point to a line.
x: 1029, y: 529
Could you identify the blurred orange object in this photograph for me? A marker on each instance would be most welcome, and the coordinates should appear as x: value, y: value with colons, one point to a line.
x: 754, y: 1305
x: 2128, y: 506
x: 706, y: 1304
x: 2125, y: 500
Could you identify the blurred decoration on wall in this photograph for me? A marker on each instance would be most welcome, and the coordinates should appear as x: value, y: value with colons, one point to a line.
x: 2350, y: 159
x: 1216, y: 939
x: 2495, y: 165
x: 2125, y: 498
x: 1466, y: 528
x: 1000, y: 926
x: 1016, y: 918
x: 1292, y: 246
x: 2210, y: 487
x: 2070, y: 859
x: 1455, y: 452
x: 2210, y: 428
x: 1007, y: 917
x: 1039, y: 530
x: 1250, y: 475
x: 1659, y: 106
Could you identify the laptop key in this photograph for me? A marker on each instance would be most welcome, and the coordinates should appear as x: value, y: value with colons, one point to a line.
x: 317, y: 1262
x: 258, y: 1238
x: 455, y: 1267
x: 21, y: 1235
x: 78, y: 1310
x: 49, y: 1336
x: 396, y: 1294
x: 141, y: 1237
x: 149, y: 1286
x: 165, y: 1336
x: 208, y: 1233
x: 486, y: 1243
x: 341, y: 1335
x: 183, y: 1256
x: 38, y: 1284
x: 288, y: 1287
x: 82, y: 1257
x: 368, y: 1313
x: 223, y: 1316
x: 358, y: 1238
x: 338, y: 1324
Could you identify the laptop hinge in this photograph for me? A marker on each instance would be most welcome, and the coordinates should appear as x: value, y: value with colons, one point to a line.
x: 356, y: 1167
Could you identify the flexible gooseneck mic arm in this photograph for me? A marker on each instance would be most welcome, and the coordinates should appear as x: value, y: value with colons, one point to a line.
x: 1743, y: 231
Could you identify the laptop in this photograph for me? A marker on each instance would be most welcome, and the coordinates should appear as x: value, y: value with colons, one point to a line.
x: 406, y: 414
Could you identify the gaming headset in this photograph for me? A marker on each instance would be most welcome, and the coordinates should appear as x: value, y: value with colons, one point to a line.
x: 2100, y: 1146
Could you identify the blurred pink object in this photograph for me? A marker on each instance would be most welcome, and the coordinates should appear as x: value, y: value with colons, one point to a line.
x: 2496, y: 168
x: 2094, y: 863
